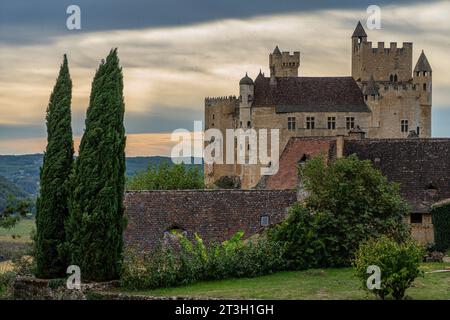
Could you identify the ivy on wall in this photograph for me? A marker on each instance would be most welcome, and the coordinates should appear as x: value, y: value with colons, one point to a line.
x: 441, y: 221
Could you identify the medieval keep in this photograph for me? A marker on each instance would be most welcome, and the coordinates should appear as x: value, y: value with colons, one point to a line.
x: 383, y: 98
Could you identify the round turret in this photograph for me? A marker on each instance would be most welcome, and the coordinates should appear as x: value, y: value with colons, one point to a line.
x: 246, y: 80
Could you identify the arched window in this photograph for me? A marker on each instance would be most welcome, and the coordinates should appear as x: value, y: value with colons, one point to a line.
x: 391, y: 78
x: 395, y: 78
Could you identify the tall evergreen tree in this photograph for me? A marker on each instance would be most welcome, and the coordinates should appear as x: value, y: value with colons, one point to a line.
x: 96, y: 223
x: 52, y: 206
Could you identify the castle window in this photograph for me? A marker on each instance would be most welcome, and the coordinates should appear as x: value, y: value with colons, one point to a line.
x: 291, y: 123
x: 240, y: 124
x: 424, y: 87
x: 404, y: 125
x: 425, y: 73
x: 395, y: 78
x: 391, y: 78
x: 214, y: 116
x: 264, y: 221
x: 331, y: 123
x: 418, y: 73
x: 416, y: 217
x: 249, y: 124
x: 310, y: 123
x: 350, y: 123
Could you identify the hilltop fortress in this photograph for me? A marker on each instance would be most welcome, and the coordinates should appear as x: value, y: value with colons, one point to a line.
x: 383, y: 98
x: 381, y: 113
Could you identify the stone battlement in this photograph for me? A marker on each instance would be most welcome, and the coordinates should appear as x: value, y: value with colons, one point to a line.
x: 393, y: 49
x: 212, y: 101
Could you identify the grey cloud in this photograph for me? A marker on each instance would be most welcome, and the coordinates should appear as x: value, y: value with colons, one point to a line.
x: 21, y: 22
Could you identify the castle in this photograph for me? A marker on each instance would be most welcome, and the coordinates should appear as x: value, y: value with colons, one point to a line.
x: 381, y: 113
x: 383, y: 98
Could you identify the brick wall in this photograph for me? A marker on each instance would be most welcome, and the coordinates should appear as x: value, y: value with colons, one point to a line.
x: 214, y: 214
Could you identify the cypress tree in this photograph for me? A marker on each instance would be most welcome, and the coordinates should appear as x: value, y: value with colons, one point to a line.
x: 52, y: 203
x: 96, y: 223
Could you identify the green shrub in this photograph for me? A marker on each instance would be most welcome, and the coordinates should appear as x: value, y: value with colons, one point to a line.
x: 167, y: 177
x: 348, y: 202
x: 303, y: 247
x: 193, y: 261
x: 441, y: 221
x: 399, y: 265
x: 6, y: 282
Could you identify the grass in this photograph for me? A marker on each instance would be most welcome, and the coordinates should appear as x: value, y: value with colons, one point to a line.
x: 315, y: 284
x: 20, y: 233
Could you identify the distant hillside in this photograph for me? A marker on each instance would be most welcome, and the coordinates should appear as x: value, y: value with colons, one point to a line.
x: 23, y: 170
x: 8, y: 188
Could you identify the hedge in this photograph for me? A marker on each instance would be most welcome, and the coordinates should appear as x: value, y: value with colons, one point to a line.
x: 440, y: 213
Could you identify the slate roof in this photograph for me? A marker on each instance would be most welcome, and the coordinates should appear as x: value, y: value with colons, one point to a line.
x: 310, y: 94
x: 422, y: 63
x: 246, y: 80
x: 420, y: 166
x: 359, y: 31
x: 277, y: 50
x: 371, y: 88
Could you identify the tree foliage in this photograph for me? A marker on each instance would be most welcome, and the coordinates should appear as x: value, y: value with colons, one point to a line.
x: 167, y: 177
x: 348, y: 202
x: 13, y: 212
x: 51, y: 205
x: 96, y: 222
x: 399, y: 265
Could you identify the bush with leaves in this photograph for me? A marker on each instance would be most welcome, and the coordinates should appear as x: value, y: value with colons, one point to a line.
x: 348, y: 202
x: 167, y: 177
x: 14, y: 211
x: 194, y: 261
x: 399, y: 265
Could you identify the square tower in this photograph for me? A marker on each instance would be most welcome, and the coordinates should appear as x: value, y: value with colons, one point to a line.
x: 284, y: 64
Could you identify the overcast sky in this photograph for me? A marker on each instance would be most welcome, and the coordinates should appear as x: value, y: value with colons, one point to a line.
x: 176, y: 52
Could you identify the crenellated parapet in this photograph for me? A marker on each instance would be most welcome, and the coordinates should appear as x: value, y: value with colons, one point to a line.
x: 213, y: 101
x: 393, y: 48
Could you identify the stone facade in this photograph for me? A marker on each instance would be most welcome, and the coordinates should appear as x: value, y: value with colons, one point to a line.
x: 384, y: 97
x: 215, y: 215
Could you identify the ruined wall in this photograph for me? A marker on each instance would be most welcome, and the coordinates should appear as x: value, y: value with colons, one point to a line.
x: 214, y: 214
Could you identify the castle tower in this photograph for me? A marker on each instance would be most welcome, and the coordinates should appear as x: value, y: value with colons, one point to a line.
x: 284, y: 64
x: 246, y: 91
x: 423, y: 81
x: 358, y: 37
x: 384, y: 64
